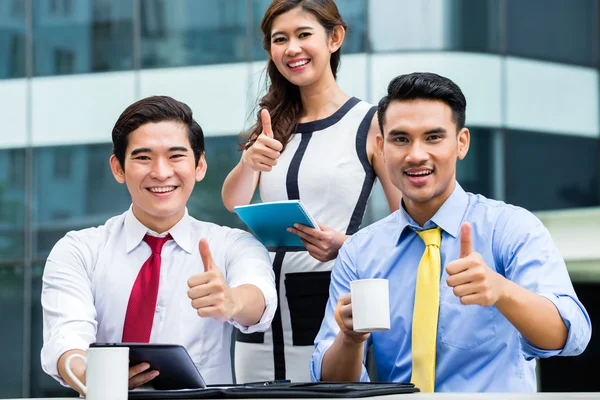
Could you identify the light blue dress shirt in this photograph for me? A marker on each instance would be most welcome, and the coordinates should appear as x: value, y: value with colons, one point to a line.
x: 478, y: 349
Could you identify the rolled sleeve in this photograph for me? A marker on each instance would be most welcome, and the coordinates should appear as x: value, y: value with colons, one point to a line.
x: 316, y: 362
x: 267, y: 288
x: 248, y: 263
x: 532, y: 260
x: 577, y: 322
x: 56, y: 347
x: 341, y: 276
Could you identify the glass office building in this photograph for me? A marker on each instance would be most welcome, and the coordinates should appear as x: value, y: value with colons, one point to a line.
x: 529, y: 70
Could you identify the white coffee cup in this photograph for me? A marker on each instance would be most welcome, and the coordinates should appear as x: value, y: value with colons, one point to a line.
x: 106, y: 373
x: 370, y: 305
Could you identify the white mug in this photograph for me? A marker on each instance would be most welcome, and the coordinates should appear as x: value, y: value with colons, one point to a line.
x: 106, y: 373
x: 370, y: 305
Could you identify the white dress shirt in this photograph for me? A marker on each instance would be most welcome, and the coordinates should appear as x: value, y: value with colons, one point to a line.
x: 89, y: 275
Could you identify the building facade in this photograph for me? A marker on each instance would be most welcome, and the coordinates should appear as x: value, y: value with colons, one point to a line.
x: 529, y: 69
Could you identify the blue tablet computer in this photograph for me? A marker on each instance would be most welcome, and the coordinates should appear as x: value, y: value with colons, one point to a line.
x: 177, y: 370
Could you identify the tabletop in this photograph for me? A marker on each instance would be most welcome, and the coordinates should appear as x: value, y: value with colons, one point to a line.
x: 465, y: 396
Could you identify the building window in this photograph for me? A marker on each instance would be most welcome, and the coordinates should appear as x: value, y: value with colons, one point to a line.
x: 64, y: 62
x: 188, y: 32
x: 153, y: 19
x: 16, y: 55
x: 72, y: 36
x: 63, y: 161
x: 555, y: 30
x: 60, y: 215
x: 536, y: 181
x: 63, y: 8
x: 16, y: 168
x: 231, y: 15
x: 475, y: 171
x: 17, y: 8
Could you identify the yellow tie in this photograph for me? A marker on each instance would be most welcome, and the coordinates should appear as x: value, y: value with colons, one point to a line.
x: 425, y: 314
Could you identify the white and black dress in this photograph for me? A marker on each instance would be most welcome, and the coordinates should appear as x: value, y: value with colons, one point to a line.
x: 325, y: 165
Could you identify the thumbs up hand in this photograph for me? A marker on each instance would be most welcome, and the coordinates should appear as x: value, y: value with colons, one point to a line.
x: 210, y: 294
x: 264, y: 152
x: 473, y: 281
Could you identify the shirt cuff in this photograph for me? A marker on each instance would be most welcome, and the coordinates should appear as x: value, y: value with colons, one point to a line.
x: 55, y: 348
x: 316, y: 362
x: 578, y: 330
x: 270, y: 295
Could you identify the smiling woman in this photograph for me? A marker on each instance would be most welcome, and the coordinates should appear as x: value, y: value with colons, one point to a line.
x: 311, y: 142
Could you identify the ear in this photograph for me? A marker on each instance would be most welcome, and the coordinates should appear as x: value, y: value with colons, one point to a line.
x: 117, y: 170
x: 201, y: 168
x: 336, y: 38
x: 464, y: 140
x: 379, y: 140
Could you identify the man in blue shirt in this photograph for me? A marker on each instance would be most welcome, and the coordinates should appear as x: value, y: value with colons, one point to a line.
x: 505, y: 297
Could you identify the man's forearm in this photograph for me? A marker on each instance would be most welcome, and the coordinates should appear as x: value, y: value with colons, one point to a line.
x: 77, y: 367
x: 343, y: 361
x: 534, y: 316
x: 251, y: 304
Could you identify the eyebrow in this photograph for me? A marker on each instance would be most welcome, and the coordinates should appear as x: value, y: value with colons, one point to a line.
x: 395, y: 132
x: 301, y: 28
x: 141, y: 150
x: 178, y: 148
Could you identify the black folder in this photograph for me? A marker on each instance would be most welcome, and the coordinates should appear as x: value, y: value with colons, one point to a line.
x: 281, y: 390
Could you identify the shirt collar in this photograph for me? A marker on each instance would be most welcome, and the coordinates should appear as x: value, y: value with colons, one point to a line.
x: 135, y: 232
x: 448, y: 217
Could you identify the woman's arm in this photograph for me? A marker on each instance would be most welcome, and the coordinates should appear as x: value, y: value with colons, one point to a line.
x: 240, y: 184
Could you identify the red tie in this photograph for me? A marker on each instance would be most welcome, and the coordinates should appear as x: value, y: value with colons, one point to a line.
x: 142, y: 300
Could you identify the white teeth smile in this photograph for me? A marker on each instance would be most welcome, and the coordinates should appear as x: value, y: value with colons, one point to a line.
x: 298, y: 64
x: 164, y: 189
x: 420, y: 173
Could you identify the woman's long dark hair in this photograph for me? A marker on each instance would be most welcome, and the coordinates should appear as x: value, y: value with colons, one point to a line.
x: 283, y: 97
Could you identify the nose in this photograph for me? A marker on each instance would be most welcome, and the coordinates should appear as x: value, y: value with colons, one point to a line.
x: 161, y: 169
x: 417, y: 154
x: 293, y: 48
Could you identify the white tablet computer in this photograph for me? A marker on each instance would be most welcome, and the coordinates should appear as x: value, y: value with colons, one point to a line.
x: 177, y: 370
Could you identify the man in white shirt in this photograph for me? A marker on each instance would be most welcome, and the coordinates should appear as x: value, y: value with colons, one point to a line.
x: 210, y: 278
